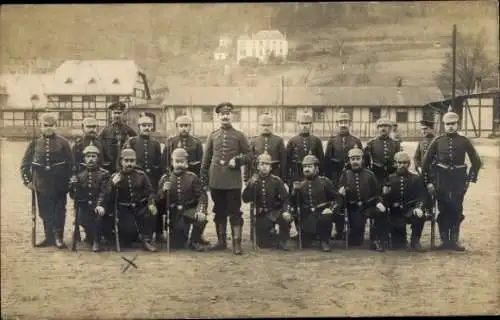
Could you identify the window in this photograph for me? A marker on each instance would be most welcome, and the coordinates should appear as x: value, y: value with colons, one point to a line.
x: 88, y: 98
x: 65, y: 102
x: 207, y: 114
x: 318, y: 114
x: 375, y: 113
x: 28, y: 115
x: 401, y: 115
x: 179, y: 111
x: 111, y: 99
x: 66, y: 115
x: 64, y: 98
x: 116, y: 81
x: 237, y: 114
x: 290, y: 115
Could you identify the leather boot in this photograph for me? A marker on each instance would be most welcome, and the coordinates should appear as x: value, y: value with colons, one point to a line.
x: 195, y: 243
x: 445, y: 240
x: 454, y: 239
x: 148, y: 246
x: 237, y: 240
x: 59, y: 240
x: 415, y: 245
x: 379, y: 246
x: 49, y: 237
x: 284, y: 235
x: 221, y: 243
x: 325, y: 246
x: 96, y: 246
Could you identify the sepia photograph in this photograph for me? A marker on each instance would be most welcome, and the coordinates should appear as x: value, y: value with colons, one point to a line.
x: 250, y: 160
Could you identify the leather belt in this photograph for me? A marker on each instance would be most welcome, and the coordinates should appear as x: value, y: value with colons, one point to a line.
x: 358, y: 203
x: 452, y: 166
x: 48, y: 167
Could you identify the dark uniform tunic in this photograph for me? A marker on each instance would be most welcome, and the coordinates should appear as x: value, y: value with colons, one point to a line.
x: 184, y: 197
x: 379, y: 157
x: 313, y: 196
x: 225, y: 182
x: 428, y: 176
x: 193, y: 147
x: 448, y: 152
x: 362, y: 194
x: 407, y: 192
x: 80, y: 145
x: 296, y: 149
x: 275, y: 147
x: 271, y: 197
x: 48, y: 163
x: 336, y: 154
x: 87, y: 192
x: 108, y: 137
x: 135, y: 193
x: 148, y: 153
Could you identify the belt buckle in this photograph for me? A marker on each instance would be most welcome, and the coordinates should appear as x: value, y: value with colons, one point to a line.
x: 222, y: 162
x: 47, y: 168
x: 90, y: 202
x: 133, y: 205
x: 360, y: 203
x: 313, y: 210
x: 179, y: 208
x: 148, y: 170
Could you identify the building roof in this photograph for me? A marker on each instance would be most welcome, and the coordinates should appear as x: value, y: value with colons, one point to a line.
x: 304, y: 96
x: 98, y: 77
x: 269, y: 34
x: 22, y: 87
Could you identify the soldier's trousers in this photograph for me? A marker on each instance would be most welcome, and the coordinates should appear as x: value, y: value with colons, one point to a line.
x: 90, y: 221
x: 179, y: 231
x: 357, y: 223
x: 398, y: 231
x: 52, y: 210
x: 316, y: 224
x: 379, y: 227
x: 450, y: 205
x: 227, y: 203
x: 135, y: 222
x: 263, y: 227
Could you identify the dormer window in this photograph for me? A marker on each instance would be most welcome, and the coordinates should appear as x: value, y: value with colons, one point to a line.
x: 92, y: 81
x: 68, y: 81
x: 116, y: 81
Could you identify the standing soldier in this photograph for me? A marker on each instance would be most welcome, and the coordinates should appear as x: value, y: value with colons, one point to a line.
x: 89, y: 126
x: 186, y: 193
x: 394, y: 134
x: 115, y: 135
x: 336, y: 159
x: 227, y: 150
x: 272, y: 144
x: 405, y: 193
x: 361, y: 197
x: 315, y: 199
x: 271, y: 198
x: 133, y: 196
x: 301, y: 145
x: 188, y: 142
x: 452, y: 179
x: 88, y: 188
x: 46, y: 167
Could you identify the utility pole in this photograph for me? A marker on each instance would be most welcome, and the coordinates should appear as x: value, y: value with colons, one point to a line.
x: 454, y: 65
x: 282, y: 102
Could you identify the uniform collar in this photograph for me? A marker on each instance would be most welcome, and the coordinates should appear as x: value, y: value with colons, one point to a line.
x: 178, y: 173
x: 380, y: 137
x: 344, y: 134
x: 226, y: 126
x: 453, y: 134
x: 303, y: 134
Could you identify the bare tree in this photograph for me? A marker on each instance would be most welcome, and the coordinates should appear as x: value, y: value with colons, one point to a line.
x: 472, y: 63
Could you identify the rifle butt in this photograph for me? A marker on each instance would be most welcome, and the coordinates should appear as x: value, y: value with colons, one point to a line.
x: 33, y: 219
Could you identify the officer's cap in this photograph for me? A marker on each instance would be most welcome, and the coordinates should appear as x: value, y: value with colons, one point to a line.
x: 266, y: 119
x: 49, y: 118
x: 310, y: 159
x: 184, y: 119
x: 128, y: 153
x: 117, y: 106
x: 179, y: 153
x: 224, y: 107
x: 264, y: 158
x: 383, y: 122
x: 450, y: 116
x: 304, y: 118
x: 144, y: 120
x: 342, y: 116
x: 355, y: 152
x: 401, y: 156
x: 91, y: 149
x: 89, y: 122
x: 427, y: 123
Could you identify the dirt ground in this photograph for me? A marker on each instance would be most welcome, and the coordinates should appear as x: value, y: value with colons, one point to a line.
x: 48, y: 283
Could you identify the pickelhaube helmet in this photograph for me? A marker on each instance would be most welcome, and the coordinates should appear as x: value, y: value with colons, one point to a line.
x: 144, y: 120
x: 91, y: 148
x: 266, y: 119
x: 184, y: 119
x: 450, y: 116
x: 343, y: 116
x: 179, y: 153
x: 401, y: 156
x: 128, y: 153
x: 265, y: 158
x: 304, y: 117
x: 383, y: 122
x: 49, y: 118
x: 310, y: 159
x: 89, y: 122
x: 355, y: 152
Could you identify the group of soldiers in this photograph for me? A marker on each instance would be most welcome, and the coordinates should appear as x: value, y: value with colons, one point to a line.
x: 126, y: 189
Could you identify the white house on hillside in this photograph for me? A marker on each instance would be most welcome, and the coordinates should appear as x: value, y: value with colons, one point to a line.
x: 261, y: 44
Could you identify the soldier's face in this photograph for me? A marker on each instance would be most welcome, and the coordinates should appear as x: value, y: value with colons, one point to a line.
x: 47, y: 128
x: 90, y: 130
x: 384, y: 130
x: 264, y: 168
x: 145, y: 128
x: 91, y: 159
x: 225, y: 117
x: 183, y: 128
x: 128, y: 163
x: 426, y: 130
x: 179, y: 163
x: 266, y: 128
x: 116, y: 115
x: 450, y: 127
x: 309, y: 169
x: 402, y: 166
x: 305, y: 127
x: 343, y: 126
x: 355, y: 162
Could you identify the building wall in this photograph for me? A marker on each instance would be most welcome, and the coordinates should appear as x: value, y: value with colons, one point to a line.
x: 259, y: 48
x: 482, y: 117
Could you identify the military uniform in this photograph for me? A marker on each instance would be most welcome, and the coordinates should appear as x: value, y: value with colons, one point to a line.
x: 87, y: 192
x: 133, y: 194
x: 452, y: 179
x: 362, y: 195
x: 298, y: 147
x: 225, y: 182
x: 313, y: 196
x: 271, y: 199
x: 84, y: 141
x: 184, y: 200
x: 111, y: 136
x: 191, y: 144
x: 407, y: 193
x: 48, y: 163
x: 148, y: 151
x: 274, y: 146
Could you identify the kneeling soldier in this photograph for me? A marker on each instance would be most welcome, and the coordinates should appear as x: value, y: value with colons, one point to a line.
x: 361, y: 197
x: 87, y: 188
x: 314, y: 197
x: 186, y: 202
x: 133, y: 194
x: 405, y: 195
x: 271, y: 197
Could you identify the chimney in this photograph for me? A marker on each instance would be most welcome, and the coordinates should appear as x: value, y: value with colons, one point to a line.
x: 477, y: 85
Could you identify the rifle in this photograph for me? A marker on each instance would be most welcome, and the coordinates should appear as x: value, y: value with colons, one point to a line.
x: 346, y: 222
x: 433, y: 213
x: 76, y: 230
x: 117, y: 170
x: 298, y: 224
x: 253, y: 208
x: 166, y: 214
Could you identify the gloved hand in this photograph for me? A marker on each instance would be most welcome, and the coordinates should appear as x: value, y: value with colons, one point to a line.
x: 342, y: 191
x: 430, y: 188
x: 418, y: 212
x: 30, y: 186
x: 254, y: 178
x: 380, y: 207
x: 116, y: 178
x: 327, y: 211
x: 100, y: 210
x: 73, y: 179
x: 286, y: 216
x: 386, y: 190
x: 200, y: 216
x: 232, y: 163
x: 152, y: 209
x: 166, y: 186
